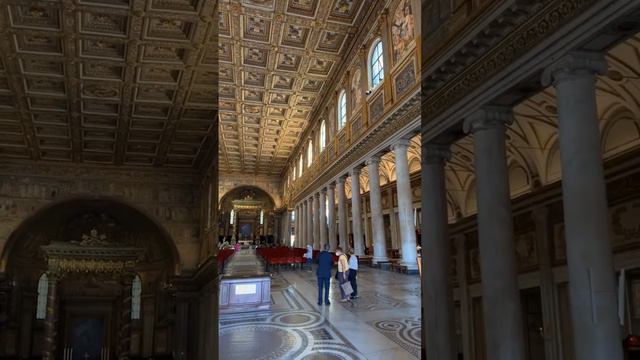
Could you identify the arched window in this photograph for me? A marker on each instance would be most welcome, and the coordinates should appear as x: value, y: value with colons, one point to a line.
x: 300, y: 166
x: 309, y: 153
x: 376, y: 64
x: 43, y: 291
x: 323, y: 135
x: 342, y: 109
x: 136, y: 292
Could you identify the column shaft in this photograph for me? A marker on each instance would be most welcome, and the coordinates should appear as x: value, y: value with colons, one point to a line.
x: 592, y: 288
x: 438, y: 333
x: 332, y: 215
x: 405, y: 207
x: 356, y: 215
x: 51, y: 319
x: 309, y: 221
x: 342, y: 215
x: 500, y: 293
x: 377, y: 220
x: 323, y: 218
x: 316, y: 221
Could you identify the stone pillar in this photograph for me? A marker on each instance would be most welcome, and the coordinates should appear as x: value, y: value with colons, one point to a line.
x: 550, y: 319
x: 286, y: 227
x: 377, y: 220
x: 365, y: 223
x: 405, y: 206
x: 393, y: 223
x: 182, y: 328
x: 342, y: 215
x: 124, y: 335
x: 323, y: 217
x: 309, y: 221
x: 465, y: 298
x: 500, y: 293
x: 356, y: 215
x: 439, y: 329
x: 51, y: 320
x: 303, y: 225
x: 592, y: 287
x: 316, y: 221
x: 332, y: 215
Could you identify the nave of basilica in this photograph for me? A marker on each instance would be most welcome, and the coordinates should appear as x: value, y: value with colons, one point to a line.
x: 172, y: 170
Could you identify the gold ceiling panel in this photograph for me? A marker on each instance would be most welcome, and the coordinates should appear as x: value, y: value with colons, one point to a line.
x: 124, y: 82
x: 275, y: 59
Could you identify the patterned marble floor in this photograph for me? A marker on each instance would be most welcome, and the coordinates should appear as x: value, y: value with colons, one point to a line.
x: 384, y: 323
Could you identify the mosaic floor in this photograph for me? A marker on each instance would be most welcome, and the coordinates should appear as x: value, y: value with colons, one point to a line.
x: 384, y: 323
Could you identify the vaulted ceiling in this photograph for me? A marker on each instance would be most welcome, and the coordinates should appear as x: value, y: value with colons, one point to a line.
x: 276, y: 59
x: 123, y: 82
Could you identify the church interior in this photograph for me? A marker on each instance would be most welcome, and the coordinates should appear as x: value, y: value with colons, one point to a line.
x: 177, y: 175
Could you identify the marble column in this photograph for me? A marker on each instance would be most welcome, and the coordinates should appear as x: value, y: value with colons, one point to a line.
x: 548, y: 294
x: 286, y: 228
x: 365, y: 224
x: 303, y: 227
x: 51, y: 319
x: 316, y: 221
x: 342, y: 215
x: 309, y: 221
x: 298, y: 226
x: 592, y: 287
x: 323, y: 217
x: 393, y: 220
x: 500, y: 292
x: 124, y: 335
x: 438, y: 329
x: 377, y: 220
x: 405, y: 206
x: 356, y: 215
x: 332, y: 215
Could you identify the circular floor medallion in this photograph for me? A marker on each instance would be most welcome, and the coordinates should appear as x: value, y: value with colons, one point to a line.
x: 271, y: 342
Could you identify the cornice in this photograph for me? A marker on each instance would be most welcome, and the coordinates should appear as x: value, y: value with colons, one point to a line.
x: 513, y: 34
x: 318, y: 175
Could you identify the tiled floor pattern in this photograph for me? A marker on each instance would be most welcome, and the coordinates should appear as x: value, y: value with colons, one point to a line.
x: 384, y: 323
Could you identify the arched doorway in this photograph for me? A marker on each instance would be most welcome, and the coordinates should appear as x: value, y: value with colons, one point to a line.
x: 247, y: 216
x: 91, y: 279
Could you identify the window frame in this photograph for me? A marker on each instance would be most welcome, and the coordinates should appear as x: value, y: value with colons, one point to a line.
x: 342, y: 109
x: 322, y: 141
x: 370, y: 63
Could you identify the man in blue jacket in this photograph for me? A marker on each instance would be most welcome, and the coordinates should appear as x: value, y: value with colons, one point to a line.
x: 325, y: 265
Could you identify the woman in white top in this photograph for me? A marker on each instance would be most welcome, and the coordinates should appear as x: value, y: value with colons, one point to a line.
x: 343, y: 272
x: 353, y: 273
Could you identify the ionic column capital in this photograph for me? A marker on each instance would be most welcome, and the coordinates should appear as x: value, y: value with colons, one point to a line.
x: 355, y: 171
x: 331, y: 186
x: 374, y: 160
x: 576, y: 64
x: 435, y: 153
x: 401, y: 145
x: 341, y: 180
x: 488, y: 117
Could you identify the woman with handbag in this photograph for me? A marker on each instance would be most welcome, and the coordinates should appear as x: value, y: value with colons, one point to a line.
x: 343, y: 274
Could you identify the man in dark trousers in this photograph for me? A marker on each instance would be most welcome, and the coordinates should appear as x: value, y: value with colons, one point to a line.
x: 325, y: 264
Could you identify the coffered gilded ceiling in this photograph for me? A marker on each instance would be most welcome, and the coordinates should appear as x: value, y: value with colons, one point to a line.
x: 276, y: 57
x: 125, y: 82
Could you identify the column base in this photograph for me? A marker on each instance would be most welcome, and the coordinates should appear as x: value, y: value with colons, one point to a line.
x: 382, y: 259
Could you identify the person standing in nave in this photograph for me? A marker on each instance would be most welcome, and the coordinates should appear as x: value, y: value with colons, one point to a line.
x: 353, y: 273
x: 343, y: 273
x: 325, y: 263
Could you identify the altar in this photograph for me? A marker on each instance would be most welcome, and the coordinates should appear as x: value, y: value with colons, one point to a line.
x: 245, y: 286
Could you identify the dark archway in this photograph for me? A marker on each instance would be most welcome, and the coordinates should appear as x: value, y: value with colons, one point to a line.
x: 101, y: 301
x: 252, y: 210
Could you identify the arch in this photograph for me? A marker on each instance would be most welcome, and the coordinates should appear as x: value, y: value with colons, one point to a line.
x: 309, y: 152
x: 63, y: 210
x: 322, y: 141
x: 239, y: 192
x: 375, y: 63
x: 342, y: 109
x: 621, y: 133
